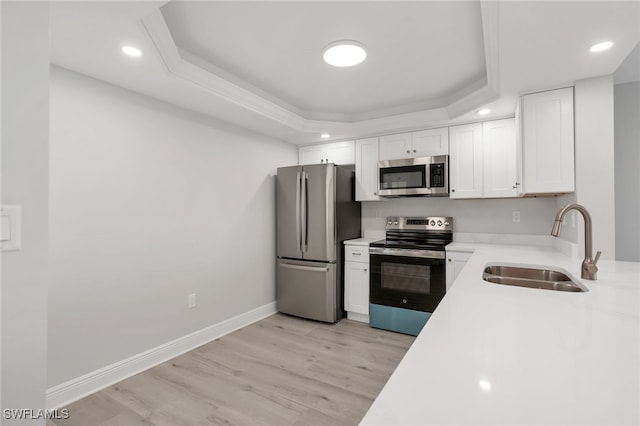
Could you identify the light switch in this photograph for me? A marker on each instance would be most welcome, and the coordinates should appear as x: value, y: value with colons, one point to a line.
x: 5, y: 229
x: 10, y: 228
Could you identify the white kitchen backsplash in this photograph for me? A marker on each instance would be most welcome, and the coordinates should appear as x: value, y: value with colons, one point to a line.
x: 483, y: 216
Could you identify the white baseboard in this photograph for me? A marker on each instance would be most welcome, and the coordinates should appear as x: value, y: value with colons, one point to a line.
x: 358, y: 317
x: 65, y: 393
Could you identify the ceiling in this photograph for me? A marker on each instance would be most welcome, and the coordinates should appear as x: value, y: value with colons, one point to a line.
x: 277, y: 47
x: 258, y: 64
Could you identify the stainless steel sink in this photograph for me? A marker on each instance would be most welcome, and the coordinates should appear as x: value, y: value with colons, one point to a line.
x: 547, y: 279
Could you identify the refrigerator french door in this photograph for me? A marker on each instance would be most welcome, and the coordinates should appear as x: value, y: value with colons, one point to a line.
x: 311, y: 201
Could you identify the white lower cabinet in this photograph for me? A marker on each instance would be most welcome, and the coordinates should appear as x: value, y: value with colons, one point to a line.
x: 356, y: 282
x: 456, y: 260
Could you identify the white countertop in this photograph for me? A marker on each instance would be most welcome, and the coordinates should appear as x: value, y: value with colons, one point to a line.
x: 360, y: 241
x: 496, y: 354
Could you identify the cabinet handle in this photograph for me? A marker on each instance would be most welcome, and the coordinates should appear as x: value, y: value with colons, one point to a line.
x: 357, y: 254
x: 408, y: 152
x: 516, y: 185
x: 453, y: 190
x: 414, y: 150
x: 326, y: 160
x: 449, y: 260
x: 365, y: 269
x: 375, y: 193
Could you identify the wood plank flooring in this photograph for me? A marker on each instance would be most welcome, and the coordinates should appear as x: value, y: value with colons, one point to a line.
x: 279, y: 371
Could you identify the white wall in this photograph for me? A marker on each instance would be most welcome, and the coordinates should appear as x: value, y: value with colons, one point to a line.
x: 627, y: 170
x: 150, y: 203
x: 595, y: 185
x: 25, y: 118
x: 493, y: 216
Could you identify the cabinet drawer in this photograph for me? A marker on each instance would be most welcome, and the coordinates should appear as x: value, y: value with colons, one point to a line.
x: 356, y: 254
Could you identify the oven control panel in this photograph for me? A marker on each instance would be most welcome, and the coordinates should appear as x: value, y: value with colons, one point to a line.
x: 438, y: 223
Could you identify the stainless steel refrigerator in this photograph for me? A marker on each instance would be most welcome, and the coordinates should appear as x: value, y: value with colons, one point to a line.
x: 316, y: 212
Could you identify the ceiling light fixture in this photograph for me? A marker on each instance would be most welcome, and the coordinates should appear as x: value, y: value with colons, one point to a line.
x: 600, y: 47
x: 484, y: 111
x: 131, y: 51
x: 485, y: 385
x: 325, y: 136
x: 344, y: 53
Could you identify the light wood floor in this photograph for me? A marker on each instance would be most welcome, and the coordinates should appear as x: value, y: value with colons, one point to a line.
x: 278, y: 371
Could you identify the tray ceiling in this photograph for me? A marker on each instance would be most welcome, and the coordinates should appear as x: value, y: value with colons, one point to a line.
x: 421, y: 55
x: 258, y: 65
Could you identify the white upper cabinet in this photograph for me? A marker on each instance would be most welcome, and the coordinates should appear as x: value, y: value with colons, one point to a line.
x: 465, y: 161
x: 483, y: 160
x: 499, y: 159
x: 394, y: 147
x: 427, y: 143
x: 367, y: 169
x: 335, y: 152
x: 424, y: 143
x: 310, y: 154
x: 548, y: 142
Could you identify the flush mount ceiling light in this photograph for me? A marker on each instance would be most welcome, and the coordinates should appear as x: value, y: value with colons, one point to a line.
x: 484, y: 111
x: 344, y: 53
x: 600, y: 47
x: 134, y: 52
x: 325, y: 136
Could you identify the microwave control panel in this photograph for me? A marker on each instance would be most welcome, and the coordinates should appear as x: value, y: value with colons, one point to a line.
x: 436, y: 173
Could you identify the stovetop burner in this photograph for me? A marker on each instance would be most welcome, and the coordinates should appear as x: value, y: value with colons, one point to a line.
x: 427, y: 233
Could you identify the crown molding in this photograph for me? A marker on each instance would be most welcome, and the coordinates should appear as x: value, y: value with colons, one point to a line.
x: 157, y: 30
x: 467, y: 99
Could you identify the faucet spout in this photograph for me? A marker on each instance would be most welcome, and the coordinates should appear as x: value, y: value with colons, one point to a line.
x: 589, y: 268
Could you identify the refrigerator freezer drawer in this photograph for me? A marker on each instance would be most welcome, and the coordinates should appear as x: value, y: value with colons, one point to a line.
x: 307, y: 289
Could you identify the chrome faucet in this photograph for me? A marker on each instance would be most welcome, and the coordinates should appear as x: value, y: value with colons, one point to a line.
x: 589, y: 268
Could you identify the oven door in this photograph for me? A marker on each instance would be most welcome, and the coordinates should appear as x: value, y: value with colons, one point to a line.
x: 410, y: 279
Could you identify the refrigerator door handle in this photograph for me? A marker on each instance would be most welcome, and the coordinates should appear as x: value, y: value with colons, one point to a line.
x: 305, y: 210
x: 298, y: 236
x: 324, y: 268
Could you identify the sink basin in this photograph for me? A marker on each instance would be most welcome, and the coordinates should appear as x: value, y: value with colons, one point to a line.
x: 546, y: 279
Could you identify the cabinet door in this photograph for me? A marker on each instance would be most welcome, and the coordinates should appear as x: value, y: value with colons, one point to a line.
x: 394, y: 147
x: 356, y: 287
x: 367, y: 169
x: 430, y: 142
x: 499, y: 168
x: 339, y: 153
x: 310, y: 154
x: 465, y: 161
x: 456, y: 261
x: 548, y: 142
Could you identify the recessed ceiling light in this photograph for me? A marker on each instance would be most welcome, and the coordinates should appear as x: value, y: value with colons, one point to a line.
x: 599, y: 47
x: 485, y: 385
x: 325, y: 136
x: 131, y: 51
x: 344, y: 53
x: 484, y: 111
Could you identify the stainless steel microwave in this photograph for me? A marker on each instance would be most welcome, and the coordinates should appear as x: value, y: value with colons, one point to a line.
x: 423, y: 176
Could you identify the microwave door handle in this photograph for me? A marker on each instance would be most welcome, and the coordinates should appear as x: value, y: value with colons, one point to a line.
x: 298, y: 241
x: 305, y: 210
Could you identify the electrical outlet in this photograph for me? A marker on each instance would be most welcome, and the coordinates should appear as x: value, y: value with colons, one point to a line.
x: 516, y: 216
x: 191, y: 300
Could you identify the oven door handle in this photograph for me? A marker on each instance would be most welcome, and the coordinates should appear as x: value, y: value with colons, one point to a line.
x: 428, y: 254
